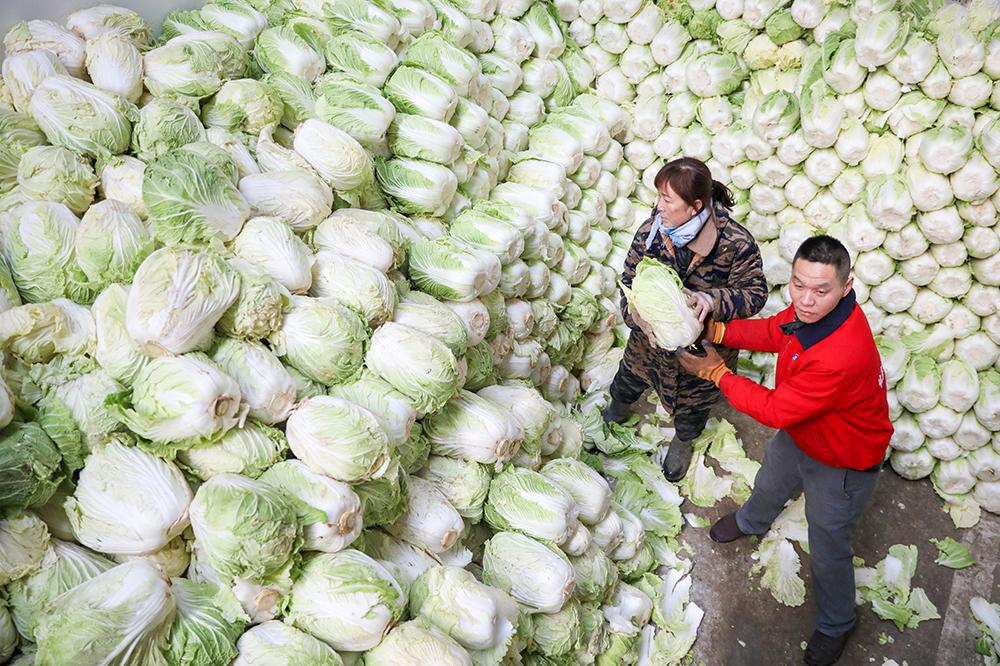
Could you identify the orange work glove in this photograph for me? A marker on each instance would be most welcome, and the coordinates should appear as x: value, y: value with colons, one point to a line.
x: 709, y: 367
x: 714, y: 331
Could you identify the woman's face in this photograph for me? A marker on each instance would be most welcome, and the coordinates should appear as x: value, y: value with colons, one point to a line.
x: 674, y: 211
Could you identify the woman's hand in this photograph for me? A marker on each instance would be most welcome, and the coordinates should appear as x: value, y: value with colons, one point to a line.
x: 702, y: 303
x: 644, y: 326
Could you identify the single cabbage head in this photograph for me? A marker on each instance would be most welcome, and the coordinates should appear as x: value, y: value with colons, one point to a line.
x: 421, y: 368
x: 122, y: 614
x: 243, y: 105
x: 128, y: 501
x: 177, y: 297
x: 322, y: 339
x: 338, y: 438
x: 31, y: 467
x: 275, y: 642
x: 179, y: 401
x: 192, y: 200
x: 111, y: 243
x: 81, y: 117
x: 657, y: 296
x: 535, y: 574
x: 415, y: 641
x: 346, y: 599
x: 24, y: 545
x: 165, y: 124
x: 208, y: 623
x: 54, y: 173
x: 245, y: 528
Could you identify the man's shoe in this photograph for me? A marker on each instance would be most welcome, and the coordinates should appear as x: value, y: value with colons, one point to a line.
x: 616, y: 412
x: 678, y: 459
x: 726, y: 529
x: 825, y: 650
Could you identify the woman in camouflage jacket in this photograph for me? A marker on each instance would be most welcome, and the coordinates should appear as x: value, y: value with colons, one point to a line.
x: 720, y: 265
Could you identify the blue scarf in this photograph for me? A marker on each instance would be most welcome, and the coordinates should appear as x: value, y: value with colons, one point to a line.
x: 680, y: 235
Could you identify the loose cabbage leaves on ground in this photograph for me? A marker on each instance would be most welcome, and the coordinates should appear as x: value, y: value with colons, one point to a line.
x: 987, y: 616
x: 952, y: 554
x: 777, y: 558
x: 641, y: 488
x: 615, y: 438
x: 888, y: 587
x: 701, y: 485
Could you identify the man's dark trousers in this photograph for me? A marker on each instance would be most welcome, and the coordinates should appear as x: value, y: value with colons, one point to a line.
x: 835, y: 500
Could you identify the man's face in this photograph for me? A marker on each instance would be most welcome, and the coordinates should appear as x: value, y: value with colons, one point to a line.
x: 816, y: 290
x: 674, y: 211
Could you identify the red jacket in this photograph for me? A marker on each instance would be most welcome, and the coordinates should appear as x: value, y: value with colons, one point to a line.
x: 830, y: 397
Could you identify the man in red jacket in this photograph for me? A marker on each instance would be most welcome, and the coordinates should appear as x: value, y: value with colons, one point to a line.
x: 829, y: 404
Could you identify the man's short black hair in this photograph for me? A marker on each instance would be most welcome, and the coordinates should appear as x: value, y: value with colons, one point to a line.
x: 826, y: 250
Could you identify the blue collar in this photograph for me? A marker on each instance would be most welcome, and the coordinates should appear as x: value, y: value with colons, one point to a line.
x: 680, y: 235
x: 810, y: 334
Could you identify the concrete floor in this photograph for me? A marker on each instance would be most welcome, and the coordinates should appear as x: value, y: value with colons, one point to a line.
x: 745, y: 626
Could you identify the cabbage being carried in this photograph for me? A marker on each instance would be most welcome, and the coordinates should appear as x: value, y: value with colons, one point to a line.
x: 657, y: 296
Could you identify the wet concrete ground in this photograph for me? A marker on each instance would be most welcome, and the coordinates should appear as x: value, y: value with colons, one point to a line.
x: 745, y: 626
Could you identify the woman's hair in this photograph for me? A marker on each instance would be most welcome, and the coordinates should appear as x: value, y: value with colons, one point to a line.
x: 691, y: 180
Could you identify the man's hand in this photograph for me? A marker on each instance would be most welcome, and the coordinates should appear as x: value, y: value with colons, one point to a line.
x: 702, y: 303
x: 713, y: 331
x: 709, y: 367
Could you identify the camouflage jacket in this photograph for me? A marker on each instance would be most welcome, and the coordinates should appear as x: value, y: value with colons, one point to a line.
x: 724, y: 261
